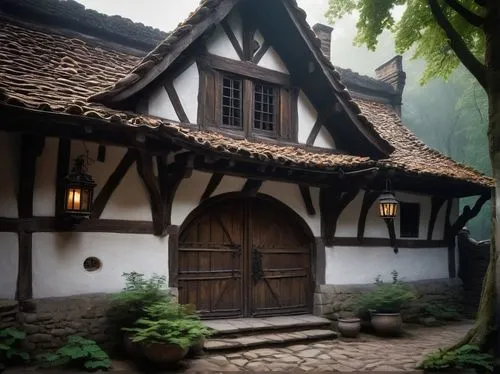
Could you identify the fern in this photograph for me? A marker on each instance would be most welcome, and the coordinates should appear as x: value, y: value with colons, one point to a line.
x: 11, y: 351
x: 467, y: 356
x: 78, y: 352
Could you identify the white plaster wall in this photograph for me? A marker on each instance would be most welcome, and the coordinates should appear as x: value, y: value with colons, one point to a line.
x: 324, y: 139
x: 9, y: 154
x: 361, y: 265
x: 236, y: 24
x: 8, y: 265
x: 160, y: 105
x: 187, y: 87
x: 307, y: 117
x: 229, y: 184
x: 129, y: 201
x: 220, y: 45
x: 188, y: 196
x: 58, y: 261
x: 44, y: 196
x: 272, y: 60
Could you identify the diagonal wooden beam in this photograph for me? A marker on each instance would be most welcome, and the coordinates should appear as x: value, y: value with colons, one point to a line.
x: 251, y: 187
x: 261, y: 52
x: 169, y: 179
x: 176, y: 102
x: 112, y: 183
x: 249, y: 30
x: 232, y: 38
x: 212, y: 185
x: 145, y: 170
x: 436, y: 204
x: 306, y: 196
x: 63, y: 155
x: 332, y: 204
x: 368, y: 200
x: 314, y: 133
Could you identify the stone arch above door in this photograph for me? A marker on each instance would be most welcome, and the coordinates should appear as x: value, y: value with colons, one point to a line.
x: 243, y: 256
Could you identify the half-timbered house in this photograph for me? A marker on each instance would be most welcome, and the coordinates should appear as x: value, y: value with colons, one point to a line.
x: 229, y: 155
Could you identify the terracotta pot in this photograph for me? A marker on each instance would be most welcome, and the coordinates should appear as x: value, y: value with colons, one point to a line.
x: 196, y: 349
x: 349, y: 327
x: 133, y: 349
x: 164, y: 353
x: 388, y: 324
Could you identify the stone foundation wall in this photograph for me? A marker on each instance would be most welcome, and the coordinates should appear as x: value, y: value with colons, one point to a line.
x: 48, y: 322
x: 331, y: 301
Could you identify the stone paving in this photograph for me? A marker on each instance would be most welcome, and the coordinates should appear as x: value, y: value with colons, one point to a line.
x: 366, y: 353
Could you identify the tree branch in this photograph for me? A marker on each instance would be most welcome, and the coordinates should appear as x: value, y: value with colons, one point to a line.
x: 476, y: 68
x: 469, y: 16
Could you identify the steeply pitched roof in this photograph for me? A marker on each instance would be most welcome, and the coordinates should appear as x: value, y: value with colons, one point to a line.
x: 53, y: 72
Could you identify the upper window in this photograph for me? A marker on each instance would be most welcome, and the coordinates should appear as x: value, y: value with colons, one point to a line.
x: 265, y: 107
x: 232, y: 94
x: 410, y: 220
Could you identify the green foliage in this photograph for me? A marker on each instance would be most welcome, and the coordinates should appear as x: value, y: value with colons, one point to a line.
x: 467, y: 356
x: 78, y: 352
x: 440, y: 312
x: 11, y: 351
x: 385, y: 298
x: 169, y: 322
x: 139, y: 293
x: 416, y: 30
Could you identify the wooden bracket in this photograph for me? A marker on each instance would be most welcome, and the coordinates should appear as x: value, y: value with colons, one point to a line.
x: 169, y: 181
x: 368, y: 200
x: 436, y: 204
x: 251, y: 187
x: 63, y: 155
x: 306, y: 196
x: 212, y: 185
x: 332, y: 203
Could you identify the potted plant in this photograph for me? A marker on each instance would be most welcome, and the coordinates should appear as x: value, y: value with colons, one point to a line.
x: 384, y: 304
x: 166, y: 332
x: 349, y: 325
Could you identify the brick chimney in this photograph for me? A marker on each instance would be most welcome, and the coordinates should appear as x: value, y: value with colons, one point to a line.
x: 324, y: 33
x: 392, y: 72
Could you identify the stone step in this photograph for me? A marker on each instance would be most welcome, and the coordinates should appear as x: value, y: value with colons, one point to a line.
x: 264, y: 340
x: 252, y: 326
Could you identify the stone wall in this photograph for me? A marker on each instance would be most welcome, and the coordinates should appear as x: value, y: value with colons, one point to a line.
x: 48, y: 322
x: 331, y: 301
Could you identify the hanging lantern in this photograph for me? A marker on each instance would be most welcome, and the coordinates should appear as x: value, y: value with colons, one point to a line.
x: 79, y: 188
x: 388, y: 206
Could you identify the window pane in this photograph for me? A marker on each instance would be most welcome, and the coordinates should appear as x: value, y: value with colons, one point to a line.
x: 231, y: 102
x: 409, y: 220
x: 264, y: 109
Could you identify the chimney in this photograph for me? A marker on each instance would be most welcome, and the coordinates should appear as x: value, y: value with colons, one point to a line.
x: 324, y: 33
x: 392, y: 72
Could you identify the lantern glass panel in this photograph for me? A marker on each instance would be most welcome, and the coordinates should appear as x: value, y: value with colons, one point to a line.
x: 73, y: 201
x: 85, y: 200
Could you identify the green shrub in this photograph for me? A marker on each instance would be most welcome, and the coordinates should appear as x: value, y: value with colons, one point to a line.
x: 465, y: 357
x: 385, y: 298
x: 169, y: 322
x: 78, y: 352
x: 440, y: 312
x: 11, y: 351
x: 127, y: 305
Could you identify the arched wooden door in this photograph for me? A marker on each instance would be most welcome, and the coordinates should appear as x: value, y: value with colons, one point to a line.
x: 243, y: 257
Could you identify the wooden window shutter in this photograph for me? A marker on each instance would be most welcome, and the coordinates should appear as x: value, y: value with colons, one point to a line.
x: 208, y: 96
x: 288, y: 114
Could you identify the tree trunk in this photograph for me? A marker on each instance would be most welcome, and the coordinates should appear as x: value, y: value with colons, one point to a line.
x: 485, y: 321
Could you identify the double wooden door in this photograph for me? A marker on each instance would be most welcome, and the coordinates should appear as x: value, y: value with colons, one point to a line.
x: 244, y: 258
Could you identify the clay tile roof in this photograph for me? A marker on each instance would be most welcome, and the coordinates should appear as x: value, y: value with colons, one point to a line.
x: 53, y: 72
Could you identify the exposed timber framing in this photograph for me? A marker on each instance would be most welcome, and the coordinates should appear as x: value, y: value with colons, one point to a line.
x: 252, y: 187
x: 31, y: 148
x: 384, y: 242
x: 173, y: 255
x: 63, y: 163
x: 332, y: 203
x: 112, y: 183
x: 450, y: 240
x: 232, y: 38
x: 249, y: 30
x: 212, y: 185
x: 176, y: 102
x: 436, y: 204
x: 146, y: 172
x: 261, y: 52
x: 314, y: 133
x: 369, y: 199
x: 170, y: 177
x: 306, y: 196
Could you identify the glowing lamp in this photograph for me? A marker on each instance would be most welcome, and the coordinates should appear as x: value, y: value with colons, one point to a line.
x: 79, y: 189
x: 387, y: 206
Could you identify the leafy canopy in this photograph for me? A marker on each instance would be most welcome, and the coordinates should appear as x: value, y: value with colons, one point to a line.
x: 416, y: 30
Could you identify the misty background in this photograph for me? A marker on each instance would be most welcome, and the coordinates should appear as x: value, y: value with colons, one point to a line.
x: 451, y: 116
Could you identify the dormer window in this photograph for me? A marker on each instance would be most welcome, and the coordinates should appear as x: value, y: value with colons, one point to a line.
x: 265, y: 101
x: 232, y: 90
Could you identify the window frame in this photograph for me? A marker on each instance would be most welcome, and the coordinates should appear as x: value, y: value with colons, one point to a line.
x: 277, y: 110
x: 403, y: 233
x: 233, y: 77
